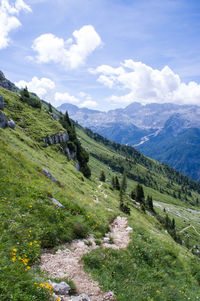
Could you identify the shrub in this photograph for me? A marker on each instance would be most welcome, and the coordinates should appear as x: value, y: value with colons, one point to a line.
x: 30, y: 99
x: 80, y: 230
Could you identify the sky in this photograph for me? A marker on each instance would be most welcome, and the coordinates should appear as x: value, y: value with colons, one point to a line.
x: 103, y: 54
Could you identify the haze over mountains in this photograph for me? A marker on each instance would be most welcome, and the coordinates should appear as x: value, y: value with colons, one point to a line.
x: 166, y: 132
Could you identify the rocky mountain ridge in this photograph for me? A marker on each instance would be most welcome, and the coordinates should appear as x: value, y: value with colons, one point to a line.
x: 150, y: 116
x: 157, y: 130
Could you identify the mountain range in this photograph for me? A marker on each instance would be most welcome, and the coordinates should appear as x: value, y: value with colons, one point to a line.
x: 169, y: 133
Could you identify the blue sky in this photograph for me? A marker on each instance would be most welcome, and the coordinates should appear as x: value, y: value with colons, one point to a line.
x: 103, y: 54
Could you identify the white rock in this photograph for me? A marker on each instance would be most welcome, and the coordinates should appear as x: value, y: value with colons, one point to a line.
x: 61, y: 288
x: 129, y: 229
x: 106, y: 239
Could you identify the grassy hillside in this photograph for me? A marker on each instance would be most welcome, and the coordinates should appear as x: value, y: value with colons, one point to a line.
x: 30, y: 221
x: 163, y: 182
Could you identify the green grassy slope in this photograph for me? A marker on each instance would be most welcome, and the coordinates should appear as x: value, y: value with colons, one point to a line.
x: 161, y: 181
x: 31, y: 222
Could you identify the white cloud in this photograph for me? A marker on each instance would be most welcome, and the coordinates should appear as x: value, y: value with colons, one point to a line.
x: 83, y: 99
x: 65, y: 97
x: 41, y: 87
x: 50, y: 48
x: 88, y: 104
x: 146, y: 84
x: 45, y: 87
x: 8, y: 19
x: 87, y: 101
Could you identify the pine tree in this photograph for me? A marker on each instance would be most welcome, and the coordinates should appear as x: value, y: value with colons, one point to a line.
x: 124, y: 182
x: 150, y: 203
x: 139, y: 194
x: 66, y: 118
x: 113, y: 183
x: 102, y: 176
x: 167, y: 222
x: 50, y: 108
x: 133, y: 196
x: 173, y: 225
x: 25, y: 92
x: 123, y: 205
x: 117, y: 183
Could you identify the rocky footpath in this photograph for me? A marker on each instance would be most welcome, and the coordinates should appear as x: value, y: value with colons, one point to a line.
x: 67, y: 262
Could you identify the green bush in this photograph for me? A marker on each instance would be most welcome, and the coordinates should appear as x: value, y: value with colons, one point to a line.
x: 80, y: 230
x: 30, y: 99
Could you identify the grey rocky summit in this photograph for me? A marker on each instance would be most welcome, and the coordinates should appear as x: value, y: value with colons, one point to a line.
x: 5, y: 83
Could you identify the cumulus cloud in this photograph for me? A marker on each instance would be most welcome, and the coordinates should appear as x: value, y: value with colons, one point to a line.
x: 88, y: 104
x: 146, y: 84
x: 65, y: 97
x: 41, y: 87
x: 8, y: 19
x: 82, y: 100
x: 69, y: 54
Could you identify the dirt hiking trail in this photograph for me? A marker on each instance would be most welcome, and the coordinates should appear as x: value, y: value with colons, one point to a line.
x: 67, y: 262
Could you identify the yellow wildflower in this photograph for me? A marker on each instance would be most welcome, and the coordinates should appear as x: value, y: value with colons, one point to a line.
x: 41, y: 285
x: 30, y: 244
x: 157, y: 291
x: 14, y: 250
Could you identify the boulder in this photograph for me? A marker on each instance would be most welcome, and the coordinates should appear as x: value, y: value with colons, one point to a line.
x: 11, y: 124
x: 61, y: 288
x: 54, y: 117
x: 49, y: 175
x: 57, y: 203
x: 3, y: 121
x: 1, y: 102
x: 106, y: 239
x: 82, y: 297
